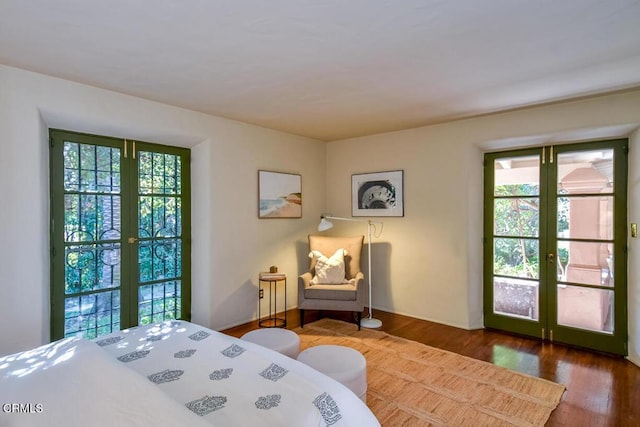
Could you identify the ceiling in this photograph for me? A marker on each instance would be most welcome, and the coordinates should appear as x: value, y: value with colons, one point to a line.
x: 332, y: 69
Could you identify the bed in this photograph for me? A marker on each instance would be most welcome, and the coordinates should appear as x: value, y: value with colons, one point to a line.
x: 175, y: 373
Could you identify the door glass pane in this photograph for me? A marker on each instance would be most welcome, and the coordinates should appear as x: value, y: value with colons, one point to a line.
x: 516, y: 216
x: 159, y: 259
x: 91, y: 217
x: 92, y: 230
x: 595, y: 308
x: 589, y: 263
x: 90, y: 316
x: 516, y: 257
x: 516, y: 297
x: 516, y: 228
x: 517, y: 176
x: 159, y: 302
x: 160, y: 234
x: 585, y: 211
x: 159, y: 216
x: 91, y: 168
x: 159, y: 173
x: 92, y: 267
x: 585, y: 217
x: 585, y: 172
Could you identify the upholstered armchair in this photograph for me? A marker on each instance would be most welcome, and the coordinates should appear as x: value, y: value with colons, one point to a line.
x: 346, y: 294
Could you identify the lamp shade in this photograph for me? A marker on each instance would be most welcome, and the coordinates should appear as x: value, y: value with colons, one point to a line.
x: 325, y: 224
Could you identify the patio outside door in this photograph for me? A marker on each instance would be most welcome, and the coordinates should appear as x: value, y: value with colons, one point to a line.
x: 555, y: 243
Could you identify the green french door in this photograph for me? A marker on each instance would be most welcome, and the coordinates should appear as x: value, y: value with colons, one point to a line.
x: 120, y: 228
x: 555, y: 243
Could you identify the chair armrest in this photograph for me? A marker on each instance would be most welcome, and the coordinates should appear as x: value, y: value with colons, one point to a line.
x: 304, y: 281
x: 359, y: 278
x: 360, y: 287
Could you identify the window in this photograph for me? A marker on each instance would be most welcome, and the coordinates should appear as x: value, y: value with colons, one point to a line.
x: 120, y: 228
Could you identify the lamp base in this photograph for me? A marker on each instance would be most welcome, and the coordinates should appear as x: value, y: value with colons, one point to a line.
x: 370, y: 323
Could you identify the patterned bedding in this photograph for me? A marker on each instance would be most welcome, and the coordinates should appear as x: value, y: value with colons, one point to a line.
x: 73, y: 382
x: 179, y: 369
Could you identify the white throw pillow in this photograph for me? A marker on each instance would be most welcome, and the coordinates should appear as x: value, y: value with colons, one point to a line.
x: 329, y: 271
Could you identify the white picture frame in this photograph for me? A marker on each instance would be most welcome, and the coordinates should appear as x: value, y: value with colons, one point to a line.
x: 279, y: 195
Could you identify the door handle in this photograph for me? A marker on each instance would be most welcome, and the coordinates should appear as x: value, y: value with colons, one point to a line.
x: 551, y: 257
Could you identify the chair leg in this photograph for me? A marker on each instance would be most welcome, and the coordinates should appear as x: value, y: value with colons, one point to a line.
x: 301, y: 318
x: 359, y: 314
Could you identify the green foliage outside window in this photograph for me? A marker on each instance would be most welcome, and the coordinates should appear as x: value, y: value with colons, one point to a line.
x: 516, y: 223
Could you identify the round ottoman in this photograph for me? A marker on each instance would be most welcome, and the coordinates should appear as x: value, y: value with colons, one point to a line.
x: 343, y: 364
x: 283, y: 341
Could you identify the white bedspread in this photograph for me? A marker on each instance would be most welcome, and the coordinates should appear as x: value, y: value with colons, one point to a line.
x: 73, y: 382
x: 230, y: 382
x: 173, y: 374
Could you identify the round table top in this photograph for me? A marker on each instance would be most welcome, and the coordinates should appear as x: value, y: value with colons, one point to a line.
x: 281, y: 340
x: 334, y: 360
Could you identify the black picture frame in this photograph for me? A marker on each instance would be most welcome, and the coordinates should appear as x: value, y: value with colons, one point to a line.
x: 378, y: 193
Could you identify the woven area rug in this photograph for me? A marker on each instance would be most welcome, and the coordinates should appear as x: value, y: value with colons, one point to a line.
x: 412, y: 384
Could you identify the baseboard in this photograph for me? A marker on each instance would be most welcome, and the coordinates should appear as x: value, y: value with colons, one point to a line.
x: 428, y: 319
x: 635, y: 360
x: 253, y: 319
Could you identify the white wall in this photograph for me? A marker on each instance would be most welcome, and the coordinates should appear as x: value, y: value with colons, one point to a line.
x: 230, y: 245
x: 434, y: 265
x: 427, y: 264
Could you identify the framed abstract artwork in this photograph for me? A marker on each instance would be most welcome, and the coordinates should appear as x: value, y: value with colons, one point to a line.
x: 378, y: 194
x: 279, y: 195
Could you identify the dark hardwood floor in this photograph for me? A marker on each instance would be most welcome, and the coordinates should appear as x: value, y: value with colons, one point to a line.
x: 602, y: 390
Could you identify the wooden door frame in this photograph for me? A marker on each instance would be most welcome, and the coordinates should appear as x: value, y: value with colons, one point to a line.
x: 546, y: 327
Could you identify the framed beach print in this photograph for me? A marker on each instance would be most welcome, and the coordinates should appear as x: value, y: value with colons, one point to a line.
x: 279, y: 195
x: 377, y: 194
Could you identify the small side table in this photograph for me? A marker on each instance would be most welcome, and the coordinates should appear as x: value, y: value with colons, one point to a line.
x: 273, y: 280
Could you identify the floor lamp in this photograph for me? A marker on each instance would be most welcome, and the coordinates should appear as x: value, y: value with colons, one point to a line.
x: 325, y: 224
